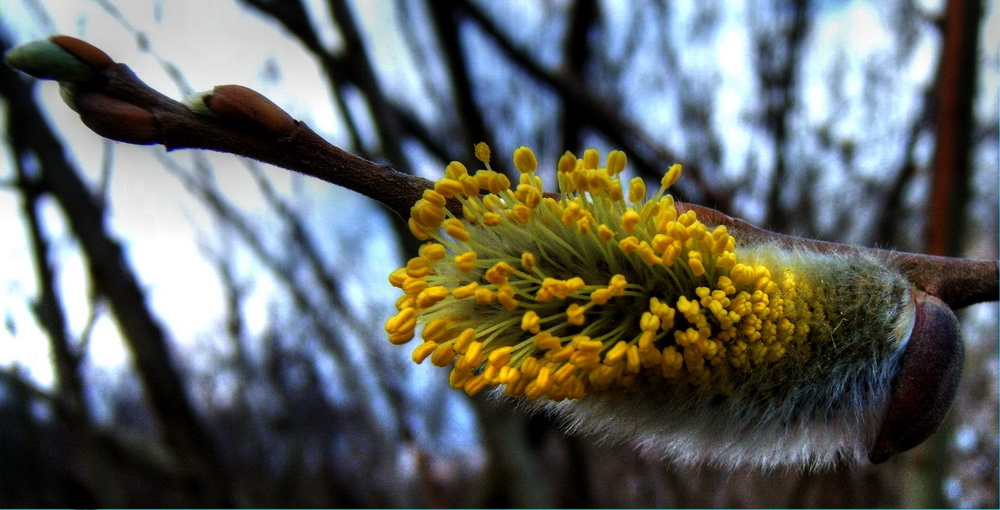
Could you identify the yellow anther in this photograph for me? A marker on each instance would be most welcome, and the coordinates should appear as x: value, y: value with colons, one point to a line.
x: 525, y: 160
x: 465, y: 291
x: 648, y: 255
x: 483, y: 178
x: 636, y: 190
x: 696, y: 266
x: 726, y: 260
x: 474, y: 354
x: 629, y: 244
x: 532, y: 391
x: 498, y: 182
x: 546, y: 341
x: 431, y: 295
x: 687, y: 219
x: 491, y: 374
x: 433, y: 251
x: 721, y: 238
x: 605, y: 233
x: 448, y: 188
x: 570, y: 286
x: 601, y: 181
x: 485, y: 297
x: 591, y: 158
x: 455, y: 171
x: 397, y: 277
x: 584, y: 343
x: 615, y: 190
x: 528, y: 195
x: 571, y: 213
x: 629, y: 221
x: 483, y: 152
x: 567, y: 163
x: 436, y: 330
x: 561, y: 355
x: 470, y: 186
x: 434, y: 198
x: 616, y: 162
x: 469, y: 215
x: 400, y: 326
x: 405, y: 301
x: 530, y: 367
x: 459, y: 377
x: 418, y: 267
x: 401, y: 320
x: 521, y: 214
x: 646, y: 340
x: 427, y: 214
x: 671, y: 176
x: 632, y: 359
x: 617, y: 285
x: 603, y: 376
x: 575, y: 314
x: 492, y: 219
x: 649, y: 357
x: 465, y: 261
x: 501, y: 356
x: 563, y: 373
x: 600, y: 296
x: 671, y: 362
x: 418, y: 230
x: 508, y: 375
x: 443, y: 355
x: 456, y: 229
x: 544, y: 380
x: 616, y: 353
x: 475, y: 385
x: 506, y: 297
x: 527, y: 260
x: 498, y: 274
x: 687, y: 337
x: 400, y: 337
x: 726, y: 285
x: 581, y: 180
x: 422, y: 351
x: 464, y: 340
x: 530, y: 322
x: 649, y: 322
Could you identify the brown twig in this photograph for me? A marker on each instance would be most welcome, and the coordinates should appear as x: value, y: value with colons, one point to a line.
x: 117, y: 105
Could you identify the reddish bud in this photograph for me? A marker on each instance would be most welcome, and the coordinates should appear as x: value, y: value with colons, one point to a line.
x: 925, y: 386
x: 116, y: 119
x: 249, y: 109
x: 86, y: 52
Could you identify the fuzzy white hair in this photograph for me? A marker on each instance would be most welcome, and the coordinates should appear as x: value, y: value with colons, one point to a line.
x: 818, y: 413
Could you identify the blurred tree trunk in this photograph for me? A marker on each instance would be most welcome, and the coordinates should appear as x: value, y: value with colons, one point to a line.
x: 947, y: 221
x: 955, y: 95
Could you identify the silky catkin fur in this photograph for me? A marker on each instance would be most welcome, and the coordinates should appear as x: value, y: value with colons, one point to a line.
x: 631, y: 318
x: 821, y: 405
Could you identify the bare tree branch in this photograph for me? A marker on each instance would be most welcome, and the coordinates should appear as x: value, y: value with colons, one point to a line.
x: 242, y: 122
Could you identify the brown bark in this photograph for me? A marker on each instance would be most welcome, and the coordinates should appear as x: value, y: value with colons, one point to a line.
x: 951, y: 166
